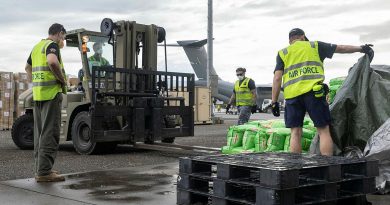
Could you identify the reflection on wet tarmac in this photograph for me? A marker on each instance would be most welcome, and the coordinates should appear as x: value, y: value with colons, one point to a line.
x: 124, y: 185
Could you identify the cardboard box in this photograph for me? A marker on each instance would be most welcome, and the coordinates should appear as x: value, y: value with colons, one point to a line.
x: 202, y: 103
x: 21, y: 85
x: 7, y: 100
x: 73, y: 82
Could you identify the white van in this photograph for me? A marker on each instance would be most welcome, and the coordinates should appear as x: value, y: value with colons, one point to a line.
x: 266, y: 106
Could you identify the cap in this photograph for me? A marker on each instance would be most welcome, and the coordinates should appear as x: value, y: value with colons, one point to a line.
x: 297, y: 32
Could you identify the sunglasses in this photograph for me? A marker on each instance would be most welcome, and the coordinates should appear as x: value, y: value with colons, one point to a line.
x: 240, y: 74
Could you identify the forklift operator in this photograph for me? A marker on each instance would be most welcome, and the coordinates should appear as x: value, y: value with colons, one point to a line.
x: 97, y: 59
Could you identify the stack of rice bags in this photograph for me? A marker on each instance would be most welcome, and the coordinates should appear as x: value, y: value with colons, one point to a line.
x: 265, y: 136
x: 334, y: 86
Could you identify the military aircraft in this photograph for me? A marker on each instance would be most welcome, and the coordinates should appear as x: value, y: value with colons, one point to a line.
x: 197, y: 55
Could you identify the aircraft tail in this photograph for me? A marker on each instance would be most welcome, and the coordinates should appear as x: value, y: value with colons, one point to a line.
x: 197, y: 55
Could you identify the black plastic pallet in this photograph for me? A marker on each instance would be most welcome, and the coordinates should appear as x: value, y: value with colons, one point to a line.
x: 186, y: 197
x: 280, y: 170
x: 252, y: 193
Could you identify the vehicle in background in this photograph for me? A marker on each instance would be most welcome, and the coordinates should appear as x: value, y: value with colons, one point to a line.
x: 266, y: 106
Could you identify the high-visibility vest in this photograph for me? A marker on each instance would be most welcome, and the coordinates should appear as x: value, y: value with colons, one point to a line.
x: 303, y: 68
x: 94, y: 62
x: 45, y: 84
x: 244, y: 96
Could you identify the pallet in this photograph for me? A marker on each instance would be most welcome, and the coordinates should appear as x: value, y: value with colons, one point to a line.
x: 279, y: 170
x: 247, y: 193
x: 185, y: 197
x: 274, y: 179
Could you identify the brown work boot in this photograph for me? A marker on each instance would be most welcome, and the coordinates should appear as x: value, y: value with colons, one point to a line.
x: 52, y: 177
x: 55, y: 171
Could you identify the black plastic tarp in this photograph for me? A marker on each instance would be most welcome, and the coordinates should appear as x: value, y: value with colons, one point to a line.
x: 378, y: 147
x: 361, y: 105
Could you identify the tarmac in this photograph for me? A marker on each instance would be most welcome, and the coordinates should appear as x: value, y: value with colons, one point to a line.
x: 144, y: 185
x: 151, y: 185
x: 137, y: 184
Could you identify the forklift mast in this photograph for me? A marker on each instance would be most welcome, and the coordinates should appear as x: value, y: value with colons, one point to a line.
x: 135, y: 45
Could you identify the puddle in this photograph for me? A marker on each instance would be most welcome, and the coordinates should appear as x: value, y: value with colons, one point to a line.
x: 123, y: 185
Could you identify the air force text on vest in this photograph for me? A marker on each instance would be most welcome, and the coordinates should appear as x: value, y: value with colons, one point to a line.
x: 38, y: 76
x: 304, y: 70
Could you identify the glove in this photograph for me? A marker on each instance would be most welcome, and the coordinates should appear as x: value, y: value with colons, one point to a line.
x: 326, y: 89
x: 275, y: 109
x: 228, y: 108
x: 253, y: 109
x: 368, y: 50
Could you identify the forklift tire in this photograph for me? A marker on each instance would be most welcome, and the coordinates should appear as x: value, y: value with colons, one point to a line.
x: 169, y: 122
x: 81, y: 134
x: 23, y: 132
x: 81, y: 137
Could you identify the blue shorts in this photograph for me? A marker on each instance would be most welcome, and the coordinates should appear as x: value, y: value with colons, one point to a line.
x: 297, y: 107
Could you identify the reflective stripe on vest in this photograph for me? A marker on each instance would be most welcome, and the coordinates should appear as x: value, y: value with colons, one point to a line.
x: 303, y: 68
x: 243, y: 93
x: 45, y: 84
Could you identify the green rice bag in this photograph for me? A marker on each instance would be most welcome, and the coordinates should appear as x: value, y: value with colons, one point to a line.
x: 236, y: 133
x: 308, y: 134
x: 276, y: 142
x: 278, y: 124
x: 248, y: 141
x: 261, y: 141
x: 272, y: 124
x: 244, y: 127
x: 226, y: 149
x: 307, y: 121
x: 306, y: 144
x: 256, y: 122
x: 248, y: 151
x: 280, y: 131
x: 337, y: 81
x: 230, y: 132
x: 333, y: 91
x: 310, y: 127
x: 287, y: 144
x: 231, y: 150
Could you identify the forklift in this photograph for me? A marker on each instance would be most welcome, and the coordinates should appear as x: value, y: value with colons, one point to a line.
x: 123, y: 101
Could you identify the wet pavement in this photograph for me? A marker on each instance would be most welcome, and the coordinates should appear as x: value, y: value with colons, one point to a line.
x: 151, y: 185
x: 145, y: 185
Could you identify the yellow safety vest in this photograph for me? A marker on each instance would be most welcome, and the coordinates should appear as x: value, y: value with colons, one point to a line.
x: 243, y: 93
x: 45, y: 85
x: 303, y: 68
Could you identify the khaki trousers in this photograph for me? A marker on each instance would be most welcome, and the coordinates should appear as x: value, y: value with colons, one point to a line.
x: 47, y: 125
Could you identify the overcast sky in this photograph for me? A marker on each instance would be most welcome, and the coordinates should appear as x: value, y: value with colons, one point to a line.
x: 247, y: 33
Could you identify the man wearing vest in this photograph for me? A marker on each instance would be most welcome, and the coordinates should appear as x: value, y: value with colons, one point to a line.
x: 97, y: 59
x: 44, y: 66
x: 244, y: 96
x: 300, y: 68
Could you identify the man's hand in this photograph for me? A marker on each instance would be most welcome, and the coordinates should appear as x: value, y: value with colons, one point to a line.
x: 368, y: 50
x: 275, y: 109
x: 326, y: 89
x: 228, y: 106
x: 253, y: 108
